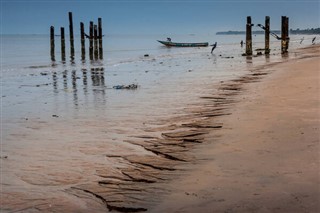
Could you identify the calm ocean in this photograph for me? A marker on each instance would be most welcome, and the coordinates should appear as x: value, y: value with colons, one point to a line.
x: 26, y: 68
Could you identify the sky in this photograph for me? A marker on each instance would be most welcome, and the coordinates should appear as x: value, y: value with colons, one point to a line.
x: 155, y: 16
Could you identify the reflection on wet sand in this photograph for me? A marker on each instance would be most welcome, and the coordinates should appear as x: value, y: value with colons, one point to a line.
x: 74, y: 87
x: 97, y: 76
x: 267, y: 56
x: 97, y: 82
x: 85, y: 81
x: 55, y: 82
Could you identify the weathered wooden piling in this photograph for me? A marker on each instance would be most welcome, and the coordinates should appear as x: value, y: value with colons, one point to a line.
x: 91, y: 40
x: 83, y: 46
x: 52, y: 43
x: 248, y: 36
x: 267, y: 35
x: 71, y: 36
x: 96, y: 53
x: 287, y: 33
x: 100, y: 38
x: 284, y: 34
x: 63, y: 45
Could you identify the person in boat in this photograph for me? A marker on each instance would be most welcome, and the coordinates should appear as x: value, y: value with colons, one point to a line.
x: 214, y: 47
x: 169, y: 39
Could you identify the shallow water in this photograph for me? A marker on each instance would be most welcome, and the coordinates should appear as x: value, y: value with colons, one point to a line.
x: 61, y: 120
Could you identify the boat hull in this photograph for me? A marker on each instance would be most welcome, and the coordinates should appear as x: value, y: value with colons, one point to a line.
x: 176, y: 44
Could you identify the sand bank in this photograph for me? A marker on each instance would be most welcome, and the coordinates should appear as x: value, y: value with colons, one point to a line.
x: 267, y: 156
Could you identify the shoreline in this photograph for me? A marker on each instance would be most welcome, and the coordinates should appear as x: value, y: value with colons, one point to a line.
x: 265, y: 158
x: 164, y: 150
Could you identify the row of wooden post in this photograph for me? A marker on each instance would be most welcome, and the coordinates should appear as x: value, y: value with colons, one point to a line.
x: 284, y: 35
x: 95, y: 34
x: 95, y: 41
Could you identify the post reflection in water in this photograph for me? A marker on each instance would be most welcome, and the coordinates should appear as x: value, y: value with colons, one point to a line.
x: 97, y: 76
x: 249, y: 63
x: 72, y: 60
x: 98, y: 85
x: 249, y: 59
x: 74, y: 87
x: 285, y: 55
x: 85, y: 81
x: 65, y: 80
x: 55, y: 82
x: 267, y: 56
x: 72, y: 84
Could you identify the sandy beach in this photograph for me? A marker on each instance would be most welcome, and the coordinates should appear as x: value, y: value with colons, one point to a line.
x: 266, y: 156
x: 246, y: 142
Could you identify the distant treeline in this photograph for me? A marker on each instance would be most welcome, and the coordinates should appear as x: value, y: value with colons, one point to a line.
x: 305, y: 31
x: 257, y: 32
x: 242, y: 32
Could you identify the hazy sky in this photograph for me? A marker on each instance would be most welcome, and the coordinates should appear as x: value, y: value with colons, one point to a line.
x: 150, y: 16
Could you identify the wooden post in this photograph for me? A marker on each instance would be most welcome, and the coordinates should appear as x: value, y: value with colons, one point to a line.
x: 283, y: 34
x: 71, y: 36
x: 267, y: 36
x: 52, y: 43
x: 63, y: 45
x: 91, y: 40
x: 287, y: 33
x: 100, y: 38
x: 83, y: 46
x: 248, y: 36
x: 95, y: 42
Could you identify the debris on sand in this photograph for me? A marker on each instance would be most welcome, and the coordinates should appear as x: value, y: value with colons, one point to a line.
x: 130, y: 86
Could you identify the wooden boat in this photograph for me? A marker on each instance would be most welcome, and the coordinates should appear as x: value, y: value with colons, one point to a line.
x: 176, y: 44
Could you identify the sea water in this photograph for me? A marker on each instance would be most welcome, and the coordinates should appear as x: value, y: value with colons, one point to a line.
x: 26, y: 57
x: 59, y: 119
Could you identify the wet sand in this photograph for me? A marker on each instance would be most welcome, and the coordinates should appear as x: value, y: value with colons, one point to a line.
x: 176, y: 160
x: 267, y: 156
